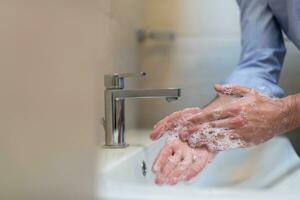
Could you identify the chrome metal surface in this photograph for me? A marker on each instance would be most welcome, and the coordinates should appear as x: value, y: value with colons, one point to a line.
x: 115, y: 95
x: 144, y: 168
x: 116, y: 81
x: 170, y: 93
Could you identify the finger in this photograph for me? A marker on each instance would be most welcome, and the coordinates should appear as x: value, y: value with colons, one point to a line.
x: 178, y: 173
x: 228, y: 123
x: 201, y: 132
x: 219, y: 139
x: 172, y: 163
x: 176, y: 115
x: 168, y: 121
x: 194, y: 170
x: 159, y: 180
x: 162, y: 158
x: 198, y: 139
x: 215, y: 114
x: 184, y: 135
x: 199, y: 164
x: 232, y: 90
x: 210, y: 137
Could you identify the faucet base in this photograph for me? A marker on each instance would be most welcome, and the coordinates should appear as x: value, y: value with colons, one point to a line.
x: 117, y: 146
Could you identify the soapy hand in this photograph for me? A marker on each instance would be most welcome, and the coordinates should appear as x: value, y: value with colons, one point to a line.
x: 174, y: 121
x: 249, y: 119
x: 165, y: 165
x: 179, y: 162
x: 238, y: 117
x: 177, y: 121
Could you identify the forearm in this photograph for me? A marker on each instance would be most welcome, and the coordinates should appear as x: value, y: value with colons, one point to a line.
x: 263, y: 49
x: 293, y: 110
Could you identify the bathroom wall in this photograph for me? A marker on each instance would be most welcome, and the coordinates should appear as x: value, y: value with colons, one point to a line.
x: 205, y: 51
x: 53, y: 56
x: 119, y: 22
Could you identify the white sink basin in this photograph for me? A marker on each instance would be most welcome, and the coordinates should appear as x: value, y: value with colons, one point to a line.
x: 271, y: 170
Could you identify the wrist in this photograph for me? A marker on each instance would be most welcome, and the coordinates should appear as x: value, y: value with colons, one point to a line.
x: 292, y: 104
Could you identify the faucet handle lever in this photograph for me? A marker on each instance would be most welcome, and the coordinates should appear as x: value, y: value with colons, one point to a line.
x: 116, y: 81
x: 131, y: 75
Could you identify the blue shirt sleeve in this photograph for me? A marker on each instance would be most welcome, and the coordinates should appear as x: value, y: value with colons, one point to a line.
x: 263, y: 49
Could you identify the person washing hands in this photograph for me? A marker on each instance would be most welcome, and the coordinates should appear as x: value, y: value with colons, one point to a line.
x: 249, y: 109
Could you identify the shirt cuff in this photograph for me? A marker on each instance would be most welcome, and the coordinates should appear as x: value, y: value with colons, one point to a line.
x: 261, y: 85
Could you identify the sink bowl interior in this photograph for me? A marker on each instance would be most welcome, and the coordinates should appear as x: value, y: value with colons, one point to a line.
x: 258, y: 168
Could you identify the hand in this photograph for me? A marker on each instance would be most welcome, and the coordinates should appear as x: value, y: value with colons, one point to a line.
x: 178, y: 162
x: 178, y: 120
x: 249, y: 119
x: 174, y: 121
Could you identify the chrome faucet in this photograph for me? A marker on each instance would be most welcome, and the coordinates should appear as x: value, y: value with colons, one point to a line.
x: 115, y: 95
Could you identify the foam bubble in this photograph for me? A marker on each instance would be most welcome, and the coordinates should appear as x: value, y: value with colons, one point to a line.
x: 216, y: 139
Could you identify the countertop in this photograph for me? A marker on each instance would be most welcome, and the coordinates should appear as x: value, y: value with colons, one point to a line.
x: 136, y: 138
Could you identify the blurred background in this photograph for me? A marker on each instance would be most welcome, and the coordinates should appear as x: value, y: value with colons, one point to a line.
x: 54, y: 55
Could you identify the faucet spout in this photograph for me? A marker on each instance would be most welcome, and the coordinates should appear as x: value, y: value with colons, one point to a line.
x: 170, y: 93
